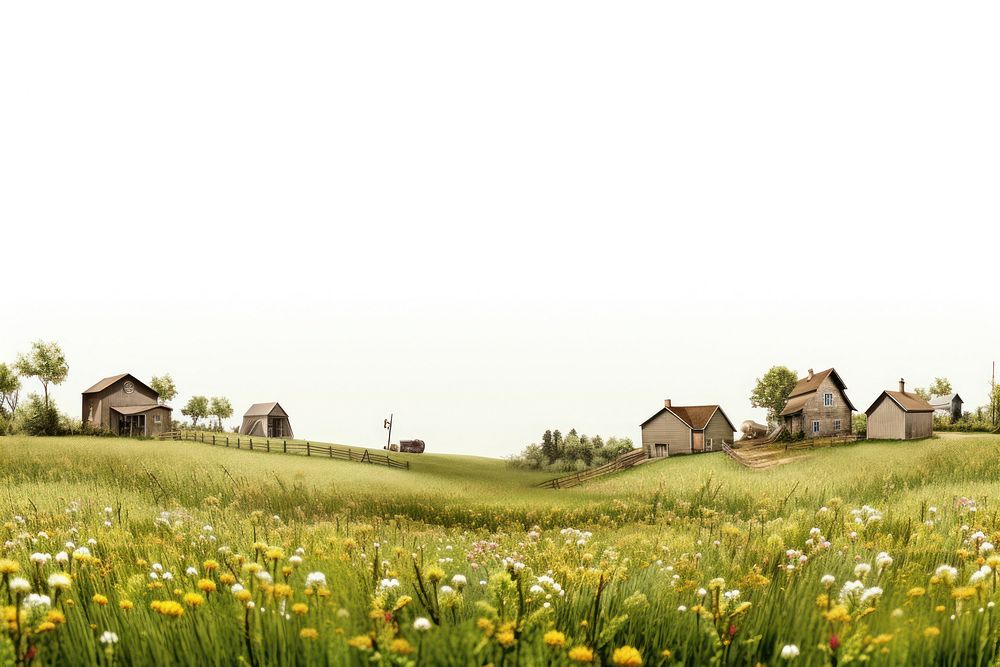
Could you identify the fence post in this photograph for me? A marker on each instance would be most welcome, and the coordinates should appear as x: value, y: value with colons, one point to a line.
x: 237, y: 442
x: 251, y: 444
x: 227, y: 441
x: 268, y: 441
x: 284, y: 446
x: 308, y: 453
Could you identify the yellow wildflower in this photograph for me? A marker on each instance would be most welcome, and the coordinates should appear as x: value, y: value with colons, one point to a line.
x: 210, y: 565
x: 401, y: 602
x: 55, y: 616
x: 125, y: 605
x: 8, y: 566
x: 226, y: 579
x: 506, y: 638
x: 838, y: 614
x: 167, y: 608
x: 300, y: 609
x: 282, y: 591
x: 581, y: 654
x: 193, y: 600
x: 931, y: 631
x: 627, y: 656
x: 206, y: 586
x: 275, y: 554
x: 309, y: 633
x: 939, y: 608
x: 434, y: 574
x: 963, y: 592
x: 916, y: 592
x: 243, y: 596
x: 554, y: 639
x: 45, y: 626
x: 361, y: 642
x: 401, y: 647
x: 100, y: 600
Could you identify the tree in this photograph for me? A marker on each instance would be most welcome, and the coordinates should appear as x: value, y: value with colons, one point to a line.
x: 922, y: 393
x: 994, y: 404
x: 164, y: 386
x: 940, y: 387
x: 548, y: 446
x: 773, y: 389
x: 45, y: 362
x: 10, y: 388
x: 196, y: 408
x: 220, y: 408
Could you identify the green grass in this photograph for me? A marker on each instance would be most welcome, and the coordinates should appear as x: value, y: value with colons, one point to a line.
x: 659, y: 532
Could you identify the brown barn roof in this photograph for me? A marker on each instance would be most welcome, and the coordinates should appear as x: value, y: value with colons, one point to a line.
x: 809, y: 385
x: 904, y: 399
x: 264, y: 409
x: 695, y: 416
x: 794, y: 405
x: 138, y: 409
x: 107, y: 382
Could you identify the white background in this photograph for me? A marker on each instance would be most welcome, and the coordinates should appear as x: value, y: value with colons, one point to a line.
x: 496, y: 219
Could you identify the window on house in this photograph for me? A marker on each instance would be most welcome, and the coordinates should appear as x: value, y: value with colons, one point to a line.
x: 816, y: 426
x: 827, y: 400
x: 157, y: 419
x: 836, y: 424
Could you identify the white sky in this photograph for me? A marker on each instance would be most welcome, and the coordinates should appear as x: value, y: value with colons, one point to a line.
x: 495, y: 219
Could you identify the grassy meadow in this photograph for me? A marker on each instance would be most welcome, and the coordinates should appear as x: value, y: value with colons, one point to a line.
x: 143, y: 552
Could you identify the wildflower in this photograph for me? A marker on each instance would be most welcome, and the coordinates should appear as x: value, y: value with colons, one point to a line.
x: 59, y: 581
x: 19, y: 585
x: 45, y: 626
x: 100, y: 600
x: 626, y: 656
x: 109, y: 637
x: 916, y: 592
x: 309, y: 633
x: 274, y: 554
x: 167, y: 608
x: 554, y: 639
x: 55, y: 616
x: 883, y: 560
x: 963, y: 593
x: 827, y: 580
x: 581, y: 654
x: 946, y: 574
x: 282, y: 591
x: 834, y: 642
x: 62, y: 558
x: 40, y: 559
x: 193, y: 600
x: 361, y: 642
x: 35, y: 600
x: 125, y: 605
x: 316, y: 580
x: 8, y: 566
x: 789, y: 651
x: 459, y: 581
x: 931, y: 631
x: 421, y: 624
x: 506, y: 638
x: 838, y: 614
x: 400, y: 646
x: 862, y: 569
x: 870, y: 594
x: 300, y: 609
x: 434, y: 574
x: 401, y: 602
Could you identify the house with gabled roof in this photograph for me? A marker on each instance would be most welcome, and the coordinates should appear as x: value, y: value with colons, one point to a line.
x: 692, y: 429
x: 818, y: 406
x: 949, y: 405
x: 125, y: 405
x: 267, y: 420
x: 900, y: 415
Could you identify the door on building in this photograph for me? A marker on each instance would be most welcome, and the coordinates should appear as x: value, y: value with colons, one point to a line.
x: 698, y: 440
x: 659, y: 449
x: 132, y: 425
x: 275, y: 428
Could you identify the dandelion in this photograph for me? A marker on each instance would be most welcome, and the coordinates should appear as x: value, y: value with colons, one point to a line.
x: 827, y: 580
x: 581, y: 654
x: 626, y: 656
x: 554, y: 639
x: 193, y: 600
x: 361, y: 642
x: 300, y: 609
x: 59, y: 581
x: 8, y: 567
x: 19, y: 586
x: 100, y: 600
x: 789, y: 651
x: 309, y: 633
x: 206, y: 586
x: 125, y: 605
x: 421, y: 624
x: 315, y: 580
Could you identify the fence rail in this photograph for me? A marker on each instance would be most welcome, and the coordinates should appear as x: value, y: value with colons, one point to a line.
x: 285, y: 447
x: 575, y: 479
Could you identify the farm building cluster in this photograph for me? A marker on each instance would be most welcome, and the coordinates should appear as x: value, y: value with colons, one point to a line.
x: 817, y: 407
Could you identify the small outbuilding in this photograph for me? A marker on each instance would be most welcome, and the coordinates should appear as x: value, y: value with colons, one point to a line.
x: 124, y: 405
x: 691, y: 429
x: 949, y: 405
x: 900, y: 415
x: 267, y: 420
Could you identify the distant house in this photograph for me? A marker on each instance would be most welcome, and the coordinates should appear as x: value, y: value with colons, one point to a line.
x: 818, y: 406
x: 900, y: 415
x: 125, y: 405
x: 689, y: 429
x: 267, y: 420
x: 949, y: 405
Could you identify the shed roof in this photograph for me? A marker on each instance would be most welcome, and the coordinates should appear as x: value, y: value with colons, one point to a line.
x: 108, y: 381
x: 266, y: 410
x: 794, y: 405
x: 905, y: 400
x: 944, y: 402
x: 138, y: 409
x: 694, y: 416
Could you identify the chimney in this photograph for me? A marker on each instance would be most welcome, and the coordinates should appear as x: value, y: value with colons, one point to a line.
x: 666, y: 402
x: 810, y: 375
x: 902, y: 386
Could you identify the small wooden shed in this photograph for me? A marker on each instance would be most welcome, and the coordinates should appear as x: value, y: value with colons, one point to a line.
x: 124, y: 405
x: 900, y: 415
x: 949, y: 405
x: 691, y: 429
x: 267, y: 420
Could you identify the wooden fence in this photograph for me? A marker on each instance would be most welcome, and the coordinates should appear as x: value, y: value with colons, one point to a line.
x: 828, y: 441
x: 576, y: 478
x: 285, y: 447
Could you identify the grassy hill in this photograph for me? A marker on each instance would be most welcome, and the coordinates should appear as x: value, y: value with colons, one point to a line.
x: 689, y: 559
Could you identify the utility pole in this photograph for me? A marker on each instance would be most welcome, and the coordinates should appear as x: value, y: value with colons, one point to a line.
x: 388, y: 424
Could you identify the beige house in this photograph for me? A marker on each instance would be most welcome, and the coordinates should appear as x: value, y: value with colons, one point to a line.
x: 267, y: 420
x: 688, y: 429
x: 818, y: 406
x: 899, y: 415
x: 124, y: 405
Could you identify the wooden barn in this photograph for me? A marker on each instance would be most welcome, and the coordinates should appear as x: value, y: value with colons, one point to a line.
x: 949, y: 405
x: 267, y: 420
x: 818, y: 406
x: 691, y: 429
x: 899, y: 415
x: 124, y: 405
